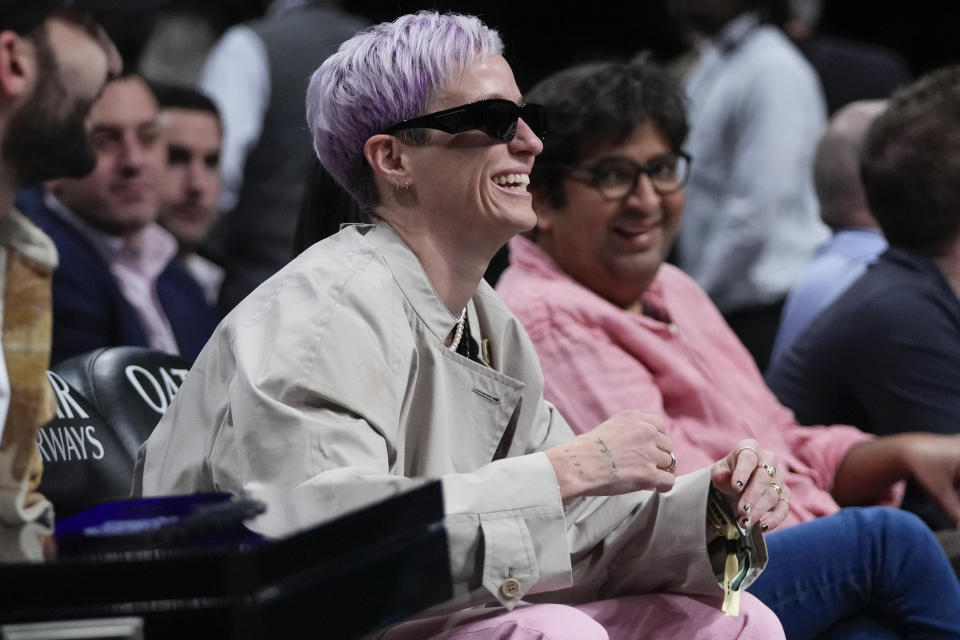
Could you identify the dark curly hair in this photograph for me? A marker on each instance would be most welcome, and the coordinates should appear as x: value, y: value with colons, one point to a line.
x: 601, y: 103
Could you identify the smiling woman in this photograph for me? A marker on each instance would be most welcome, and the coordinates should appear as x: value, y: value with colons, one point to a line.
x: 380, y: 356
x: 465, y: 190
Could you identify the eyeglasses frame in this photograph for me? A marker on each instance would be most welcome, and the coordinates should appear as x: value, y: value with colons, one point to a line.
x: 583, y: 173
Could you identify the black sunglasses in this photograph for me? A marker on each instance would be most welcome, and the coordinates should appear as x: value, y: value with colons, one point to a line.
x: 496, y: 117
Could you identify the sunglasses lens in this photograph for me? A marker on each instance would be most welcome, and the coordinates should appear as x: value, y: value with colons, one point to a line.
x: 536, y: 118
x: 500, y: 119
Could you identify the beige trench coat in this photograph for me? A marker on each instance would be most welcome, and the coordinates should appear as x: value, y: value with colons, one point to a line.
x: 335, y: 370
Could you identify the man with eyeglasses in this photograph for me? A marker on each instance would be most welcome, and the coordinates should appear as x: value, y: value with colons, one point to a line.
x: 53, y: 63
x: 616, y: 328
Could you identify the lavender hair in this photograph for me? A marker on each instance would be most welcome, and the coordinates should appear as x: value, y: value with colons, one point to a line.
x: 382, y: 75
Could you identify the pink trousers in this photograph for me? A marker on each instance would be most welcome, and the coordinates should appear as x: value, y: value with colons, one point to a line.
x: 645, y: 617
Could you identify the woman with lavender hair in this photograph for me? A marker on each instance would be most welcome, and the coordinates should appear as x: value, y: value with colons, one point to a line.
x: 379, y: 356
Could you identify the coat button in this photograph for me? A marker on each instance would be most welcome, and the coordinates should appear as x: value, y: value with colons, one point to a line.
x: 510, y: 588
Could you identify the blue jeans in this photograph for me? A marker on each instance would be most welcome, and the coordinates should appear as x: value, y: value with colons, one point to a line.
x: 861, y: 573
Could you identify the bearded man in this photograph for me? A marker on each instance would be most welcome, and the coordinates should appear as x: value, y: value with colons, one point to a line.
x: 53, y: 64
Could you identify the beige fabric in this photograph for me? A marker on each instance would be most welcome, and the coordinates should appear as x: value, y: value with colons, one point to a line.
x: 28, y: 260
x: 334, y: 371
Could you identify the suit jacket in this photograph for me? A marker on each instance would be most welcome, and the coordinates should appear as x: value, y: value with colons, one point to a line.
x: 90, y: 312
x: 334, y: 372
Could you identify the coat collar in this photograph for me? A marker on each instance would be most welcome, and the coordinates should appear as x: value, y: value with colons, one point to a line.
x: 20, y: 234
x: 412, y: 279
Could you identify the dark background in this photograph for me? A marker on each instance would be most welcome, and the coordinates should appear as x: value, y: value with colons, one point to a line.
x: 542, y: 36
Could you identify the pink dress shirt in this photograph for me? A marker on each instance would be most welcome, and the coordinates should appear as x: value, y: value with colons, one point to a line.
x: 136, y: 261
x: 679, y: 360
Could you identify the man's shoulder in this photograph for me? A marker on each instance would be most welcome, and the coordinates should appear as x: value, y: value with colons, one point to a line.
x: 767, y: 44
x: 679, y: 287
x: 178, y: 277
x: 541, y: 301
x: 30, y: 203
x: 769, y: 54
x: 75, y: 253
x: 824, y: 276
x: 897, y: 288
x: 889, y: 299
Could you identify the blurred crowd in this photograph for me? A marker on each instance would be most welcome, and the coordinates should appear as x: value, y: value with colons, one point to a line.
x: 778, y: 249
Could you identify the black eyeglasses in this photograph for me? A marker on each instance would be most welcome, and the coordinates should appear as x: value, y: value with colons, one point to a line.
x: 496, y: 117
x: 616, y: 177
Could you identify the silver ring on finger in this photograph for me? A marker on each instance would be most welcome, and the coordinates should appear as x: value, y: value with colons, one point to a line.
x: 673, y: 463
x: 736, y: 454
x: 770, y: 469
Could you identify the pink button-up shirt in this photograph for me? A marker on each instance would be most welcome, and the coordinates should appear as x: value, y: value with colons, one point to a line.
x: 679, y: 360
x: 136, y: 262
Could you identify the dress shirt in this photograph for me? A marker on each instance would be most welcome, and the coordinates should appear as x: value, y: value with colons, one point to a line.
x: 679, y: 360
x: 136, y: 261
x: 839, y: 262
x: 236, y: 76
x: 750, y: 224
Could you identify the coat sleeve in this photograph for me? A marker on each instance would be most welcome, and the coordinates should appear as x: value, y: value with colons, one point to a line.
x: 643, y: 541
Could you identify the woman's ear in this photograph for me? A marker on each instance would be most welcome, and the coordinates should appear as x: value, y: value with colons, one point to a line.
x: 384, y: 154
x: 545, y: 212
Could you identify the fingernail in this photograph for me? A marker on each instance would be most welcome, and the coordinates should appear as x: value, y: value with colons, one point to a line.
x: 746, y: 508
x: 740, y: 483
x: 764, y: 526
x: 746, y: 522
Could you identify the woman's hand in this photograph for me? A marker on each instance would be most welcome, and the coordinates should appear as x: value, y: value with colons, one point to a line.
x: 747, y: 476
x: 628, y: 452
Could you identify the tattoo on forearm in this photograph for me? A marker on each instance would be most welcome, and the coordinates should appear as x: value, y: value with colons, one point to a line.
x: 605, y: 450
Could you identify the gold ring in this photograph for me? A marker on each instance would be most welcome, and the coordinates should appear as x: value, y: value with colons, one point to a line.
x: 778, y: 489
x: 736, y: 454
x: 673, y: 463
x: 770, y: 469
x: 785, y: 500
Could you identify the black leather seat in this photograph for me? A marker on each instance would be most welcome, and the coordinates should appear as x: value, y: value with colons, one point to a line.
x: 108, y: 402
x: 130, y: 387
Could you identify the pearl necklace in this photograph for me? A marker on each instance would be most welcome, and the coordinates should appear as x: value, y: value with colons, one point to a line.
x: 459, y: 332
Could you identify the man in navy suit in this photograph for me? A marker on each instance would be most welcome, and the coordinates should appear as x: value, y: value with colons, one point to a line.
x: 118, y: 282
